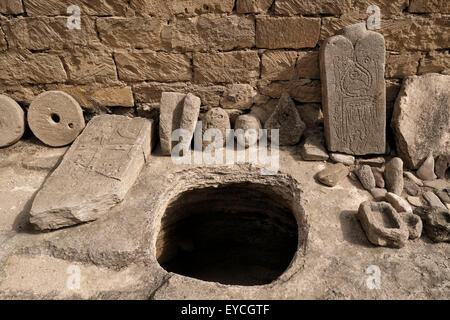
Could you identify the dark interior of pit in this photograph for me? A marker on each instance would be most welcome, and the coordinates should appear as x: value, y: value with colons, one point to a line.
x: 238, y: 234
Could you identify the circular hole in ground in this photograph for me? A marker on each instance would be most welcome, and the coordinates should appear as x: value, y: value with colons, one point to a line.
x: 70, y: 125
x: 236, y: 234
x: 55, y: 118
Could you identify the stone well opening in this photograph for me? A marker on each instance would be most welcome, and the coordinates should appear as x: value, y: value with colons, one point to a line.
x: 235, y: 234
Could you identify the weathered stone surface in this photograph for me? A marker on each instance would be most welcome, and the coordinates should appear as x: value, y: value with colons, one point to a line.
x: 313, y: 148
x: 171, y: 111
x: 55, y: 118
x: 251, y: 125
x: 23, y: 67
x: 393, y: 175
x: 426, y: 170
x: 210, y: 32
x: 410, y: 187
x: 332, y: 174
x: 436, y: 222
x: 442, y: 165
x: 287, y: 120
x: 45, y: 33
x: 253, y: 6
x: 421, y: 119
x: 298, y: 32
x: 264, y: 110
x: 439, y: 184
x: 382, y: 224
x: 308, y: 65
x: 85, y: 66
x: 414, y: 223
x: 135, y: 32
x: 366, y: 177
x: 378, y: 194
x: 87, y: 7
x: 433, y: 200
x: 425, y: 6
x: 11, y: 7
x: 444, y: 195
x: 399, y: 204
x: 173, y: 7
x: 413, y: 178
x: 278, y: 65
x: 12, y: 121
x: 415, y: 201
x: 311, y: 114
x: 354, y: 91
x: 216, y: 118
x: 102, y: 165
x: 303, y: 90
x: 229, y: 67
x: 121, y: 97
x: 343, y: 158
x: 238, y: 96
x: 372, y: 161
x: 400, y: 65
x: 155, y: 66
x: 189, y: 117
x: 435, y: 62
x: 379, y: 179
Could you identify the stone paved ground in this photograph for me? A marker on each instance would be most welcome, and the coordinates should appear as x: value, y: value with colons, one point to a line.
x: 116, y: 258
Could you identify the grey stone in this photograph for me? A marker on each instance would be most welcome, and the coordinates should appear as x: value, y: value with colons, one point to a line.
x: 189, y: 117
x: 443, y: 195
x: 399, y: 204
x: 311, y: 114
x: 426, y: 170
x: 313, y: 149
x: 393, y: 175
x: 373, y: 161
x: 411, y: 188
x: 55, y: 118
x: 415, y: 201
x: 354, y: 91
x: 378, y: 194
x: 378, y: 175
x: 251, y: 125
x: 433, y: 200
x: 439, y: 184
x: 413, y: 178
x: 332, y: 174
x: 382, y: 224
x: 441, y: 166
x: 12, y: 121
x: 414, y: 223
x: 436, y: 223
x: 366, y: 177
x: 95, y: 173
x: 287, y: 119
x: 343, y: 158
x: 421, y: 118
x: 216, y: 118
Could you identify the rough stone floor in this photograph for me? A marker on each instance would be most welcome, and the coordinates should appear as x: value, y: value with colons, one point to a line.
x: 115, y: 256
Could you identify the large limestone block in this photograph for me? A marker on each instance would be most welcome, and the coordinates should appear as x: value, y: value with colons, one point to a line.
x: 421, y: 119
x: 354, y: 91
x: 12, y: 121
x: 95, y: 173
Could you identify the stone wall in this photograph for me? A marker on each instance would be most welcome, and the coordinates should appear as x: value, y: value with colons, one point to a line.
x: 225, y: 51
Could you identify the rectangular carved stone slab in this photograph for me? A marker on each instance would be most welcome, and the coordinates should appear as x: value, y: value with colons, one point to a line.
x: 354, y: 91
x: 95, y: 173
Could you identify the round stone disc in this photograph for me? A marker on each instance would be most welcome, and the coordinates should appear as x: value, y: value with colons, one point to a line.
x: 12, y: 121
x: 56, y: 118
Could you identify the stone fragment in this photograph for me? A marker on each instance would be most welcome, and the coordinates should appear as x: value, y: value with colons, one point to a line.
x: 372, y: 161
x: 216, y: 118
x: 238, y: 96
x: 378, y: 175
x: 287, y: 120
x: 354, y: 91
x: 55, y: 118
x: 399, y: 204
x: 378, y: 194
x: 313, y: 149
x: 414, y: 223
x: 366, y: 177
x: 393, y: 174
x: 177, y: 111
x: 413, y: 178
x: 442, y: 165
x: 12, y: 121
x: 311, y: 114
x: 444, y: 195
x: 264, y: 111
x: 343, y: 158
x: 251, y: 127
x: 433, y: 200
x: 95, y: 173
x: 426, y: 170
x: 411, y: 188
x: 439, y: 184
x: 382, y: 224
x: 332, y: 174
x: 421, y: 119
x: 436, y: 223
x: 415, y: 201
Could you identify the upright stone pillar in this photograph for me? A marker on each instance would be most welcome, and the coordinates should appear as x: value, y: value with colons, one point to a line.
x: 354, y: 91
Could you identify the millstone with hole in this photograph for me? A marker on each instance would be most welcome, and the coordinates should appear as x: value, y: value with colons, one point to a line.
x: 12, y: 121
x: 56, y: 118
